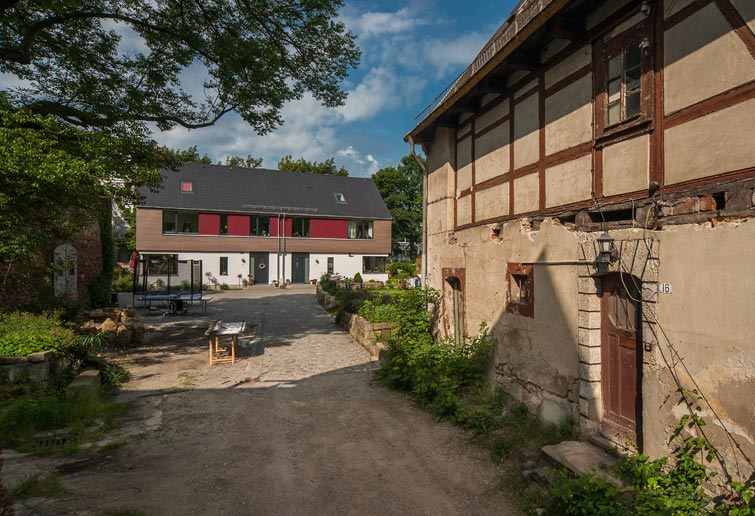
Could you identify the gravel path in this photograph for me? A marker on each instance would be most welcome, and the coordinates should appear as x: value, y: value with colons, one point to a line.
x: 296, y: 427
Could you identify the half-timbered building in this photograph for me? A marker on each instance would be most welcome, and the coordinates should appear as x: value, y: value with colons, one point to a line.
x: 589, y: 195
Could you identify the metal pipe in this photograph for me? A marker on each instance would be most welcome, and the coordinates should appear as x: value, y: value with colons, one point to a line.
x: 564, y: 262
x: 423, y: 168
x: 284, y: 250
x: 278, y: 255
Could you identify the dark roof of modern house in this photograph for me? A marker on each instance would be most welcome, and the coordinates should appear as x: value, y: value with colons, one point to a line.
x: 219, y: 188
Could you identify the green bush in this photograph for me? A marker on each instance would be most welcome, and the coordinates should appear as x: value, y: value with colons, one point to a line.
x: 123, y: 283
x: 22, y: 333
x: 328, y: 285
x: 402, y: 270
x: 358, y: 279
x: 436, y: 373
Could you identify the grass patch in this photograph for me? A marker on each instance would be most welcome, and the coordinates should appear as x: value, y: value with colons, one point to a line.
x: 43, y: 423
x: 112, y: 445
x: 38, y: 486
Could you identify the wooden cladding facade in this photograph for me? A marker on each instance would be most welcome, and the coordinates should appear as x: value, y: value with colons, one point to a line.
x: 150, y: 237
x: 545, y: 142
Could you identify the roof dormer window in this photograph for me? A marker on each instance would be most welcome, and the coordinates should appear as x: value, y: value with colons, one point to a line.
x: 340, y: 197
x: 187, y: 187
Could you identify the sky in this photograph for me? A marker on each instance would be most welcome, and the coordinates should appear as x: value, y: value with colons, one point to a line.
x: 411, y: 51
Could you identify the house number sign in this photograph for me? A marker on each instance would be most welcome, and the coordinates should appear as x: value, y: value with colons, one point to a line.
x: 666, y: 288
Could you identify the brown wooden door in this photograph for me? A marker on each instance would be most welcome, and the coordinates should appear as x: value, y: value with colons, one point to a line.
x: 621, y: 358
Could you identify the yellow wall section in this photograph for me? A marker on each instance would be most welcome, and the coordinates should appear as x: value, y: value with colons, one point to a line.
x: 464, y: 210
x: 492, y: 150
x: 569, y: 182
x: 579, y: 59
x: 464, y: 164
x: 492, y: 202
x: 491, y: 116
x: 703, y: 57
x: 526, y: 121
x: 626, y: 166
x: 568, y: 116
x: 526, y: 193
x: 720, y: 142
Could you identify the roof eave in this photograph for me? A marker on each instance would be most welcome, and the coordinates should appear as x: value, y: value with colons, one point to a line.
x: 500, y: 57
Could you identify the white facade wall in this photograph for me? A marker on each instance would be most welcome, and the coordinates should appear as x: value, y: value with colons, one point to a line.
x: 238, y: 263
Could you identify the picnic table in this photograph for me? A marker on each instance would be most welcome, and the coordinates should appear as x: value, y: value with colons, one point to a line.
x: 176, y: 302
x: 219, y: 329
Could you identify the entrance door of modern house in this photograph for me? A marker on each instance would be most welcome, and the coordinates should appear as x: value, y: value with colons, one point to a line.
x: 621, y: 358
x: 299, y: 267
x: 258, y: 267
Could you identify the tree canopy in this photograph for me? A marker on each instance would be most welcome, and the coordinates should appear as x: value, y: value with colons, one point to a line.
x: 191, y: 155
x: 97, y: 63
x: 327, y: 167
x: 56, y: 178
x: 401, y: 189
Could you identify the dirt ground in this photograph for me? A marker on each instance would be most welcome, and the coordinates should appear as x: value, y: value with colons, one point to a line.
x: 297, y: 426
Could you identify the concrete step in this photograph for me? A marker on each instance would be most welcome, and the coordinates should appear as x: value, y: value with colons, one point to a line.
x: 580, y: 457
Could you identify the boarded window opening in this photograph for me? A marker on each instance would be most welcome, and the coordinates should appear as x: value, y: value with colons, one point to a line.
x: 520, y: 298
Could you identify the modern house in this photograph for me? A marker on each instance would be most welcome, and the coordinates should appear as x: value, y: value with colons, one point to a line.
x: 265, y: 225
x: 589, y: 195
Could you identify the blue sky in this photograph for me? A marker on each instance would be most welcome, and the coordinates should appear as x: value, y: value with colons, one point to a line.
x: 410, y: 52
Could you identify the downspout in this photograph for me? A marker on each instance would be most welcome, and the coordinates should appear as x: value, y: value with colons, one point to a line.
x: 423, y: 273
x: 284, y: 251
x: 278, y: 256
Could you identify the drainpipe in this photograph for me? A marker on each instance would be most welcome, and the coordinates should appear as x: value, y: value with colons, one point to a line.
x: 284, y: 251
x: 278, y: 255
x: 423, y: 273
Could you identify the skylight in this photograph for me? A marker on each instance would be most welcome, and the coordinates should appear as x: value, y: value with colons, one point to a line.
x: 340, y: 197
x: 187, y: 187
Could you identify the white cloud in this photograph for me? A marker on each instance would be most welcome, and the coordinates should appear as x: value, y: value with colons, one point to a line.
x: 448, y: 55
x: 374, y: 23
x: 368, y: 163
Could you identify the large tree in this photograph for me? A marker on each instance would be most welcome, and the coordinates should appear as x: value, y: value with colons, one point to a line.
x: 327, y: 167
x: 401, y: 189
x: 257, y: 54
x: 90, y: 75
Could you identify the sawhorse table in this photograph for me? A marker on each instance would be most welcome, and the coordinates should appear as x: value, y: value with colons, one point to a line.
x: 219, y: 329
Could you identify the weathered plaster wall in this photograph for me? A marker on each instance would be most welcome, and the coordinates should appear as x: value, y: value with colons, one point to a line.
x: 626, y: 166
x: 568, y: 182
x: 703, y: 57
x: 526, y: 134
x: 708, y: 319
x: 568, y: 116
x: 526, y: 193
x: 730, y: 129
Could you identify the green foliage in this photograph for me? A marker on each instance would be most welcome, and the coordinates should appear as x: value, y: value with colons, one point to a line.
x: 402, y: 270
x: 58, y: 179
x: 124, y: 282
x: 24, y: 418
x: 36, y: 485
x: 257, y: 57
x: 327, y: 167
x: 358, y: 278
x: 401, y: 190
x: 436, y: 373
x: 102, y: 287
x: 238, y: 161
x: 190, y: 155
x: 224, y: 286
x: 655, y: 486
x: 22, y: 333
x: 328, y: 285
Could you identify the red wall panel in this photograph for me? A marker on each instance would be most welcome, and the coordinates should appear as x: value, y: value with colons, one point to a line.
x: 274, y: 226
x: 328, y: 228
x: 238, y: 225
x: 209, y: 224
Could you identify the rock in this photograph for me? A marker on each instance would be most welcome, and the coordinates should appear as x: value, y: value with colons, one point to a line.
x: 539, y: 475
x: 129, y: 312
x: 87, y: 383
x: 97, y: 313
x: 39, y: 356
x: 108, y: 325
x: 123, y: 335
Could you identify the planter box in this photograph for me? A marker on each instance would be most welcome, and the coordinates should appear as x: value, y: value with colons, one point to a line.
x: 372, y: 336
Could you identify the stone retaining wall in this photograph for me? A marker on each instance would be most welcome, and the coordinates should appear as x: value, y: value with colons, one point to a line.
x: 373, y: 336
x: 36, y: 367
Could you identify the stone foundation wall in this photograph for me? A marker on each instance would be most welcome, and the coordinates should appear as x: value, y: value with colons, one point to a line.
x: 324, y: 299
x: 372, y: 336
x: 35, y: 367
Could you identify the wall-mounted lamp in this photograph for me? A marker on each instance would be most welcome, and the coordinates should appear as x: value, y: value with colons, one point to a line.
x: 606, y: 249
x: 317, y: 261
x: 351, y: 255
x: 243, y: 260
